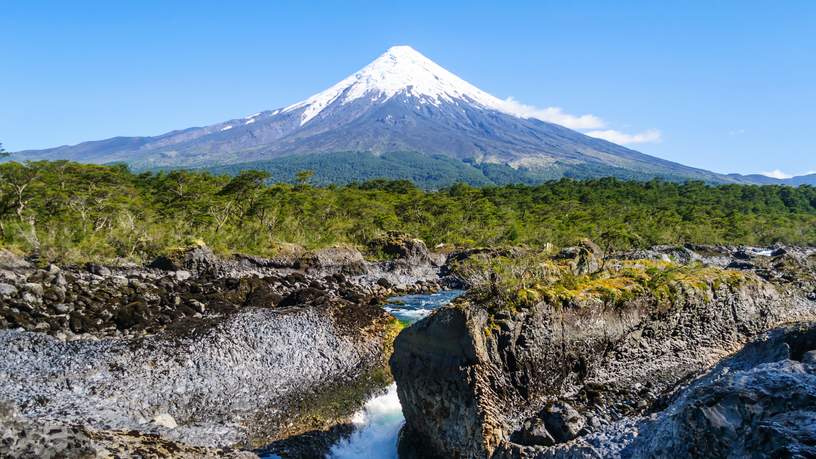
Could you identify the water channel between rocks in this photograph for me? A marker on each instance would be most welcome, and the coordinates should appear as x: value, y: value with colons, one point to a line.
x: 377, y: 425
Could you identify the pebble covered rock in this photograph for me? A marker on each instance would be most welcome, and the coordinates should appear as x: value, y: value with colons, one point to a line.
x: 194, y: 353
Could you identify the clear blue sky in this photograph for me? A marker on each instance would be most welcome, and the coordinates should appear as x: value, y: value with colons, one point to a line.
x: 731, y: 86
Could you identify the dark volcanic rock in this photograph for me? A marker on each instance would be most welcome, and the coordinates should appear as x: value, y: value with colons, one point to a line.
x: 585, y: 258
x: 562, y: 421
x: 196, y: 352
x: 401, y: 245
x: 192, y: 284
x: 197, y: 259
x: 343, y: 260
x: 472, y: 380
x: 10, y: 261
x: 759, y: 403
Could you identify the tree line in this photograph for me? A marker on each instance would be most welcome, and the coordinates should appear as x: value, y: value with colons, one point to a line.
x: 71, y: 212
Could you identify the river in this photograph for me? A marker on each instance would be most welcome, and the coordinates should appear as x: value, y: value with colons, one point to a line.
x: 379, y: 422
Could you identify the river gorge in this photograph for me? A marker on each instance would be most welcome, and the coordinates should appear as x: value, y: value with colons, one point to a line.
x: 380, y: 421
x: 568, y: 353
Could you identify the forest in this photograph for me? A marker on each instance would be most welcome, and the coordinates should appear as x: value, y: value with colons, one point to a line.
x: 69, y: 212
x: 429, y: 172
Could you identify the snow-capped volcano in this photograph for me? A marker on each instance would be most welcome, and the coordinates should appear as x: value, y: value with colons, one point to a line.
x: 400, y: 102
x: 401, y: 70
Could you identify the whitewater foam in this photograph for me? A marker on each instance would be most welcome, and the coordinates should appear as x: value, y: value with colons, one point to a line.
x: 378, y: 424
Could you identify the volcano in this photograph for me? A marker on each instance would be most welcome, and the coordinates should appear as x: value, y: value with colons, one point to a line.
x: 402, y: 114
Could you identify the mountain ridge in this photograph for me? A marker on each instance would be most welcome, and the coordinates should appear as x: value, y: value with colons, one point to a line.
x: 400, y: 102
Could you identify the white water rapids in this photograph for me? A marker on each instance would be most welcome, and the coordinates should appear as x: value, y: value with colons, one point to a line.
x: 379, y: 422
x: 377, y: 426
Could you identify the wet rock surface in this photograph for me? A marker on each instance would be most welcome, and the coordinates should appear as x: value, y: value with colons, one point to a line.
x: 551, y: 382
x: 759, y: 403
x: 193, y: 353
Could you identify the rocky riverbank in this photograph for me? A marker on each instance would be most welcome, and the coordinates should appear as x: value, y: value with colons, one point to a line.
x: 194, y: 354
x: 582, y: 355
x: 589, y: 356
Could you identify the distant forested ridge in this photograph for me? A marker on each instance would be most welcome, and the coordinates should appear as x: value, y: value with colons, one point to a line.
x: 429, y: 172
x: 72, y: 212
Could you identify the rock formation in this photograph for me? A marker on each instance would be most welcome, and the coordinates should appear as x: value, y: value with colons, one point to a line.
x: 193, y: 352
x: 481, y: 379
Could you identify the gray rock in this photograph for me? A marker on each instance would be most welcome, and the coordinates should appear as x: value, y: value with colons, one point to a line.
x: 562, y: 421
x: 586, y: 258
x: 60, y: 280
x: 198, y: 306
x: 468, y: 381
x: 30, y: 298
x: 209, y: 376
x: 33, y: 288
x: 534, y: 432
x: 21, y: 437
x: 198, y: 259
x: 10, y: 261
x: 165, y: 420
x: 7, y: 290
x: 119, y: 281
x: 98, y: 270
x: 401, y: 245
x: 747, y: 406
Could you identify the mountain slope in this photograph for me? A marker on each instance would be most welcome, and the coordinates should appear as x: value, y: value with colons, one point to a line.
x: 401, y: 102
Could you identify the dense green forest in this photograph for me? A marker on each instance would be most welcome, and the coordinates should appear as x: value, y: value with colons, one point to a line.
x: 70, y: 212
x: 429, y: 172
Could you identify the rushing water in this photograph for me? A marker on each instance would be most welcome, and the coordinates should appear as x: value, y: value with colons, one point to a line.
x: 378, y: 423
x: 380, y: 420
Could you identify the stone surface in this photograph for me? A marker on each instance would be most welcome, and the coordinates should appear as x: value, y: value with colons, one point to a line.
x: 213, y: 353
x: 132, y: 301
x: 23, y: 438
x: 208, y: 378
x: 759, y: 403
x: 7, y: 290
x: 10, y: 261
x: 165, y: 420
x: 471, y: 381
x: 562, y: 421
x: 401, y: 245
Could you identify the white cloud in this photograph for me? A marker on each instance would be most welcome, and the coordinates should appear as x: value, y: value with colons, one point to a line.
x: 777, y: 174
x: 553, y: 115
x: 622, y: 138
x: 588, y: 122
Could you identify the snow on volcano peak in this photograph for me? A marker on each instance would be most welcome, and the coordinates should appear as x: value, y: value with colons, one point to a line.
x: 400, y: 70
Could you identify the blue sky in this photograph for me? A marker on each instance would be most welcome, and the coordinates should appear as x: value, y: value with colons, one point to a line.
x: 726, y: 86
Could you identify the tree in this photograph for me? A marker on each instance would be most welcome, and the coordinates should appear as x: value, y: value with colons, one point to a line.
x: 16, y: 194
x: 302, y: 177
x: 15, y: 179
x: 3, y: 152
x: 242, y: 192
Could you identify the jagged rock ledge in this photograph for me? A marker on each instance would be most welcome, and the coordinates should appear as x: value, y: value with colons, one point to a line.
x: 580, y: 377
x: 194, y: 353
